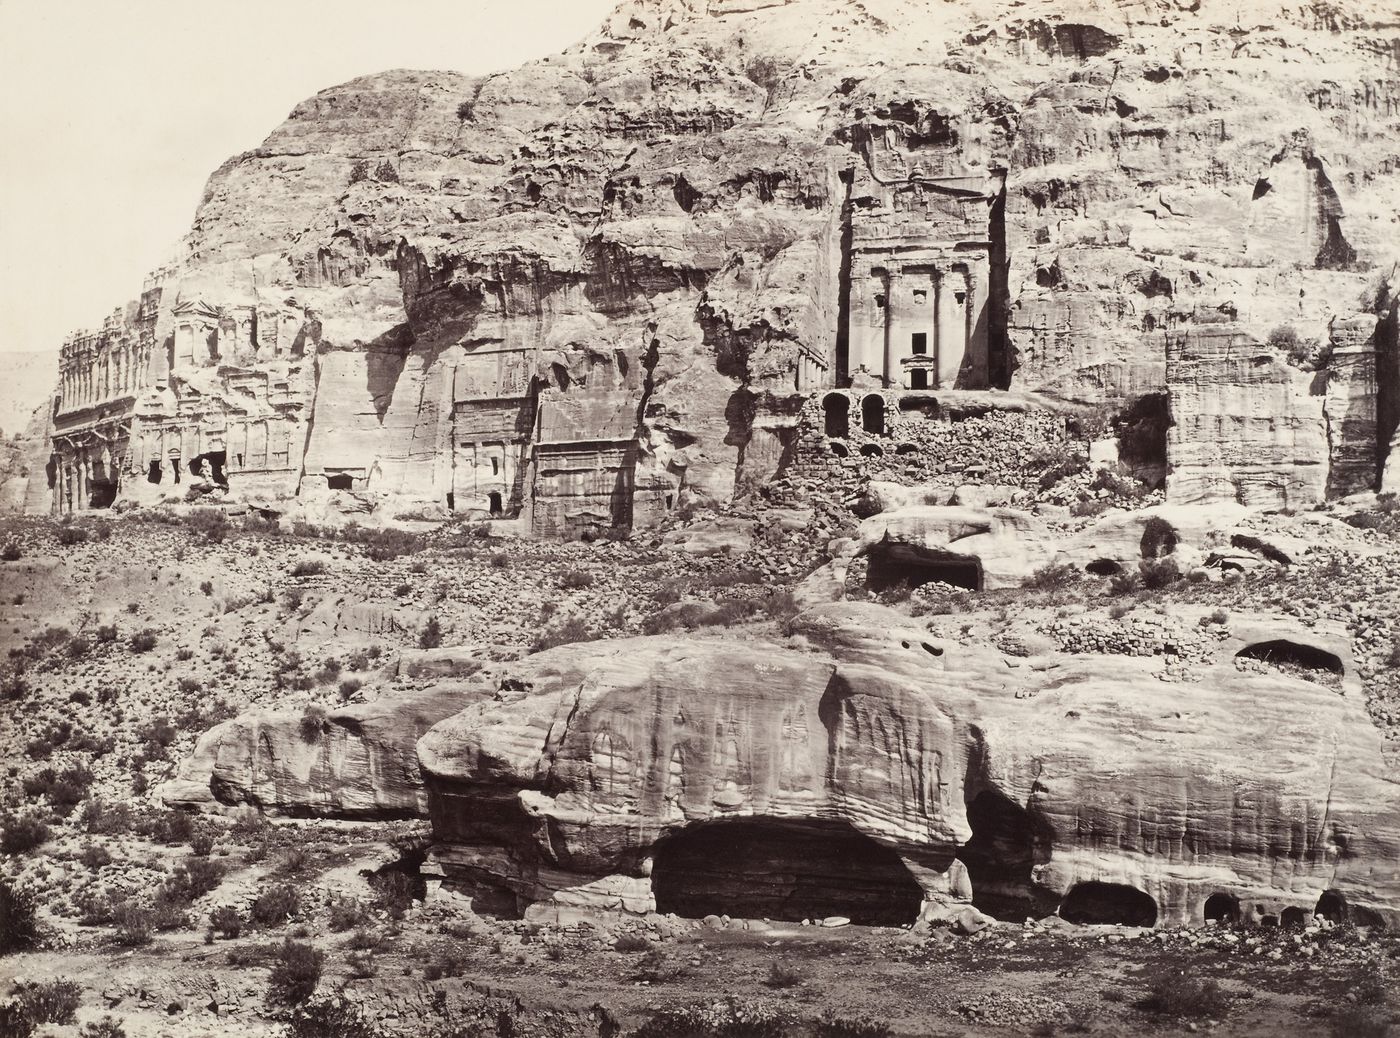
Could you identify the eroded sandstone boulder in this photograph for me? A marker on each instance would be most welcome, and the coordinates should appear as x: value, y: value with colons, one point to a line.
x: 888, y: 773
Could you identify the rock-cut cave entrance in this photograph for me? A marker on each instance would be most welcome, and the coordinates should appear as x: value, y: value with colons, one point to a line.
x: 1095, y: 902
x: 1282, y: 652
x: 783, y: 869
x: 893, y: 565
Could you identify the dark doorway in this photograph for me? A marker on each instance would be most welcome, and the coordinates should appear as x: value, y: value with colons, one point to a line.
x: 1095, y: 902
x: 872, y: 415
x: 783, y: 869
x: 1282, y: 652
x: 494, y: 500
x: 892, y: 565
x: 838, y: 415
x: 918, y: 379
x: 1006, y: 841
x: 919, y: 342
x: 153, y: 472
x: 101, y: 493
x: 175, y: 469
x: 1293, y: 918
x: 451, y: 501
x: 1332, y: 906
x: 340, y: 481
x: 1222, y: 908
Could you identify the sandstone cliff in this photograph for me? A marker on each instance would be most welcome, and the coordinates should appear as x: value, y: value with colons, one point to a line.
x: 582, y: 290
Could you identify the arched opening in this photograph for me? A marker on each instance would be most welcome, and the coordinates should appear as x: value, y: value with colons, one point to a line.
x: 838, y: 415
x: 840, y: 450
x: 1104, y: 568
x: 872, y: 415
x: 1293, y: 918
x: 494, y: 502
x: 769, y: 868
x: 1284, y: 653
x: 892, y: 565
x: 1095, y: 902
x: 872, y: 450
x: 1007, y: 841
x: 339, y: 481
x: 1222, y: 908
x: 1331, y: 906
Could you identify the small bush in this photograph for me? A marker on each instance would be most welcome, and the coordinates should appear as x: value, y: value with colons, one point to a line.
x: 142, y: 641
x: 70, y: 535
x: 49, y: 1002
x: 431, y: 635
x: 134, y: 925
x: 295, y: 973
x: 19, y: 926
x: 10, y: 552
x: 346, y: 914
x: 349, y: 687
x: 1180, y: 995
x: 576, y: 579
x: 309, y: 568
x: 571, y: 630
x: 631, y: 942
x: 446, y: 962
x: 1159, y: 573
x: 226, y: 922
x: 107, y: 1027
x: 274, y: 906
x: 23, y: 834
x: 313, y: 723
x: 783, y: 975
x: 1054, y: 576
x: 95, y: 856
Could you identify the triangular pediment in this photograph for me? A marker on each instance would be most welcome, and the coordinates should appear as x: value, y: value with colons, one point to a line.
x: 195, y: 308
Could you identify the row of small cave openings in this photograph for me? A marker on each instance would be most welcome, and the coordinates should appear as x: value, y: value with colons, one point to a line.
x: 793, y: 870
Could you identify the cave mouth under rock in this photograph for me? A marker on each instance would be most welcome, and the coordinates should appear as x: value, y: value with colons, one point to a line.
x: 1095, y: 902
x: 1281, y: 651
x: 783, y: 869
x: 1221, y: 908
x: 1007, y: 842
x: 893, y: 565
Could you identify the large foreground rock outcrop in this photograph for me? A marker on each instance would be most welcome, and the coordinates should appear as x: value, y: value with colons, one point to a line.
x: 885, y: 774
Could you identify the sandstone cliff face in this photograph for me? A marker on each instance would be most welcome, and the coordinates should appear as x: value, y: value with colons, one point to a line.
x: 581, y: 290
x: 758, y: 780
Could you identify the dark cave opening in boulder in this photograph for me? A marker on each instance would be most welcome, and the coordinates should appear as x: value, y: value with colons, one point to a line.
x: 1221, y: 908
x: 783, y: 869
x: 340, y: 481
x: 1095, y: 902
x: 895, y: 565
x: 1331, y: 906
x: 1007, y: 840
x: 1104, y: 568
x: 1282, y: 652
x: 1293, y: 918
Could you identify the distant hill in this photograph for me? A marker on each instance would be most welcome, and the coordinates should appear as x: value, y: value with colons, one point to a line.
x: 25, y: 382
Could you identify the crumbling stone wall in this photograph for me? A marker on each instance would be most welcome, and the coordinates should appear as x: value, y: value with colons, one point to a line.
x: 930, y: 437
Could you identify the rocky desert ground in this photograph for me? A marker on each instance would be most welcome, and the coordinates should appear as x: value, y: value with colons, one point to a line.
x: 790, y: 518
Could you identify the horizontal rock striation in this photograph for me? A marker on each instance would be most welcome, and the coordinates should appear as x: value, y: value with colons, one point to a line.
x: 753, y: 779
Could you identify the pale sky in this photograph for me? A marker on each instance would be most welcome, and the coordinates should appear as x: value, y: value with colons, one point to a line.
x: 114, y: 112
